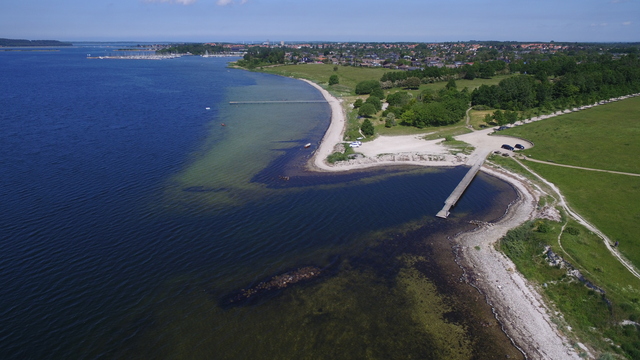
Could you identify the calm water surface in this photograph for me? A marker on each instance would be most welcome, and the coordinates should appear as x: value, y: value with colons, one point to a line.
x: 130, y: 214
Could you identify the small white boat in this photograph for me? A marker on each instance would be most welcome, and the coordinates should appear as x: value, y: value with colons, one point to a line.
x: 307, y: 145
x: 207, y: 108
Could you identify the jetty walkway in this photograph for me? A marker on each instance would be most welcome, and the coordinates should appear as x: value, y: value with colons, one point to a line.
x: 476, y: 163
x: 276, y: 102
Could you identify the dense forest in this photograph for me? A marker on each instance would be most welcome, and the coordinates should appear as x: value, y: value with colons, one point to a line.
x: 20, y: 42
x: 561, y: 82
x: 260, y: 56
x: 540, y: 85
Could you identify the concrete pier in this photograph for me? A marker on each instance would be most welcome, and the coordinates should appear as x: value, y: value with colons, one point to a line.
x: 476, y: 163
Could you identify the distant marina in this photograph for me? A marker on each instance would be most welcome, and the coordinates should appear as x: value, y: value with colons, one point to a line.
x: 136, y: 57
x: 147, y: 55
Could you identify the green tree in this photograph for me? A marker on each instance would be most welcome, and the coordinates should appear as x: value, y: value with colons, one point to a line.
x: 367, y: 86
x: 333, y: 79
x: 399, y: 98
x: 375, y: 101
x: 451, y: 84
x: 390, y: 120
x: 378, y: 92
x: 499, y: 117
x: 367, y: 127
x: 358, y: 103
x: 412, y: 82
x: 366, y: 110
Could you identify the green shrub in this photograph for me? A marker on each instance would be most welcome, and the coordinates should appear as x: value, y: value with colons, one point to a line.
x: 572, y: 231
x: 337, y: 156
x: 367, y: 86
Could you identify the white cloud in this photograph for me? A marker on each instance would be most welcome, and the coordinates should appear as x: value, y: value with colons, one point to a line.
x: 229, y: 2
x: 183, y: 2
x: 626, y: 23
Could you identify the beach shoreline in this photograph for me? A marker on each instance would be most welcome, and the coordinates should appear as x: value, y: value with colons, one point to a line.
x: 517, y: 305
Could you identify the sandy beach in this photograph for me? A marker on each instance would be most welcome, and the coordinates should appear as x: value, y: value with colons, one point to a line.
x: 517, y: 305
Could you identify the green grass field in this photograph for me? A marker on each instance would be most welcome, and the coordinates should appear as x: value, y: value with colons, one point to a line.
x: 610, y: 202
x: 604, y: 137
x: 592, y: 316
x: 470, y: 84
x: 349, y: 76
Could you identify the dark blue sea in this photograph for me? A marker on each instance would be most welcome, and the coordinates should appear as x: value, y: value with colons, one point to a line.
x: 138, y: 205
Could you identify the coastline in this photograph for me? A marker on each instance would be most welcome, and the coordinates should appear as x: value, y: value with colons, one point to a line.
x: 516, y: 304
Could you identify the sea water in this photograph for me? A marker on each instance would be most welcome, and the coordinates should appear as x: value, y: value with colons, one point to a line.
x: 136, y: 199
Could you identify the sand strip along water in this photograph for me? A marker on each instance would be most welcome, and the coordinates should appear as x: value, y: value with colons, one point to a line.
x: 516, y: 304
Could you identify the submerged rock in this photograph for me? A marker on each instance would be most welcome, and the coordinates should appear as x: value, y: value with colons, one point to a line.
x: 274, y: 283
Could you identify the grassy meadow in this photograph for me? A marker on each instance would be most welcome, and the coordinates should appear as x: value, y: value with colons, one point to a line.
x: 593, y: 315
x: 604, y: 137
x: 349, y: 76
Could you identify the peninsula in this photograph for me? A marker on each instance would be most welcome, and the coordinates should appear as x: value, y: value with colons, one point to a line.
x: 518, y: 306
x: 31, y: 43
x: 578, y: 105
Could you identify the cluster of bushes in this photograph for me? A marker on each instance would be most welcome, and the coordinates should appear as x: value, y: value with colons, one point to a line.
x: 444, y: 107
x: 588, y: 311
x: 502, y: 117
x: 373, y: 104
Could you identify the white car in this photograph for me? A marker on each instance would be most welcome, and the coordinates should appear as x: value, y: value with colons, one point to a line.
x: 355, y: 144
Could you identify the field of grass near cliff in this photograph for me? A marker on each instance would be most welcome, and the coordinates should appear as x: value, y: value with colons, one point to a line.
x: 599, y: 315
x: 604, y: 137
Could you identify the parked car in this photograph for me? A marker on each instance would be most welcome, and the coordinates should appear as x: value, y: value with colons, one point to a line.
x: 355, y: 144
x: 519, y: 146
x: 507, y: 147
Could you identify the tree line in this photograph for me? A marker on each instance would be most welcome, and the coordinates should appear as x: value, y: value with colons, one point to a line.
x: 484, y: 70
x: 260, y: 56
x: 562, y: 82
x: 195, y: 49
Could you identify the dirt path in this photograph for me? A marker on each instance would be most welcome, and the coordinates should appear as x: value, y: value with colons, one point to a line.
x: 607, y: 242
x: 581, y: 168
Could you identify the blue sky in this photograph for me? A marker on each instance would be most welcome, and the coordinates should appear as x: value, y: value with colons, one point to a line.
x: 321, y: 20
